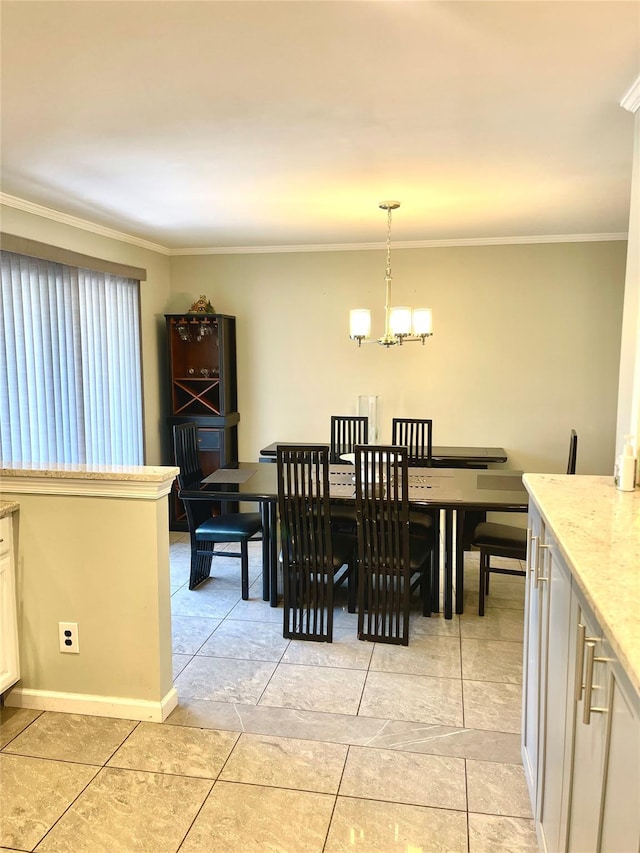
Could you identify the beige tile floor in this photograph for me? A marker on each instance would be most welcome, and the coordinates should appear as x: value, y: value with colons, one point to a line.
x: 283, y: 746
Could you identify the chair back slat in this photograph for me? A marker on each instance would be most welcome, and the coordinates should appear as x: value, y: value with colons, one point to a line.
x: 346, y: 432
x: 187, y: 458
x: 382, y: 513
x: 573, y: 452
x: 416, y: 434
x: 186, y: 452
x: 303, y: 503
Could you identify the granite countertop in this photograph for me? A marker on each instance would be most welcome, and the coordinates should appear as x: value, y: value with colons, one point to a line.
x: 121, y: 473
x: 598, y: 532
x: 8, y: 507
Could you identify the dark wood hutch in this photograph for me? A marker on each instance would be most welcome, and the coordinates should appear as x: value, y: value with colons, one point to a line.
x: 203, y: 388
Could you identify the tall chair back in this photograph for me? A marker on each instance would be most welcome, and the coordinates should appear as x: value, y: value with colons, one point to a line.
x: 382, y: 513
x: 573, y: 452
x: 416, y: 435
x: 346, y: 432
x: 187, y: 456
x: 307, y: 553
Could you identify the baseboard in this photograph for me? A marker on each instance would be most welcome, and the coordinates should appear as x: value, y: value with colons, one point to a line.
x: 94, y: 706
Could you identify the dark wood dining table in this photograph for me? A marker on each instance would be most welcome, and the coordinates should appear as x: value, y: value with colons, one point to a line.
x: 453, y: 490
x: 443, y: 456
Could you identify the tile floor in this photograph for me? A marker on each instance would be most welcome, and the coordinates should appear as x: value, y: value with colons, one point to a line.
x: 284, y: 746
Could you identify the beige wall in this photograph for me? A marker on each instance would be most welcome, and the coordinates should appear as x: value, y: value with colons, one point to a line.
x: 526, y: 344
x: 112, y: 580
x: 154, y: 296
x: 629, y: 381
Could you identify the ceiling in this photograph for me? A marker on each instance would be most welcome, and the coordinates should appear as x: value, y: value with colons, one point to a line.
x: 263, y: 124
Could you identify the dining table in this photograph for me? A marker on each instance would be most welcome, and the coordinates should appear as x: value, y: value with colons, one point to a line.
x: 443, y: 456
x: 452, y: 490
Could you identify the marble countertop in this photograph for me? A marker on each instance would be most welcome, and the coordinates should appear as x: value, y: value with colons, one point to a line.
x: 8, y: 507
x: 121, y: 473
x: 598, y: 532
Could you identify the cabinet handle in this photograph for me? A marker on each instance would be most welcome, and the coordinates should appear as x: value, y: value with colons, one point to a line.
x: 582, y: 636
x: 531, y: 539
x: 587, y: 711
x: 537, y: 577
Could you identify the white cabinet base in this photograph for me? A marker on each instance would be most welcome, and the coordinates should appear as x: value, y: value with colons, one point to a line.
x: 9, y: 656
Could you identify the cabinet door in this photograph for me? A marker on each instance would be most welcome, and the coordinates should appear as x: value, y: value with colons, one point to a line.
x: 555, y: 697
x: 9, y: 660
x: 590, y: 726
x: 620, y: 826
x: 531, y: 659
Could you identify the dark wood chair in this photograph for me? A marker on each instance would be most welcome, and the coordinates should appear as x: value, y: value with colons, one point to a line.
x: 416, y: 434
x: 346, y: 432
x: 206, y: 529
x: 315, y: 559
x: 392, y: 561
x: 507, y: 540
x: 573, y: 452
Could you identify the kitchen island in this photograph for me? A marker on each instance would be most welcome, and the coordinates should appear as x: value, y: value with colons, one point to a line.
x: 92, y: 549
x: 581, y: 680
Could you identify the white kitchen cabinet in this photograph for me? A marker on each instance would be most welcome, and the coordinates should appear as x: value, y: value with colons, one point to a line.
x: 620, y: 825
x: 531, y: 657
x: 9, y: 659
x: 603, y: 800
x: 554, y: 581
x: 581, y: 717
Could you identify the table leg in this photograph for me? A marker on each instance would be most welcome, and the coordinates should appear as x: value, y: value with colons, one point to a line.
x: 435, y: 577
x: 266, y: 551
x: 273, y: 544
x: 459, y: 561
x: 448, y: 565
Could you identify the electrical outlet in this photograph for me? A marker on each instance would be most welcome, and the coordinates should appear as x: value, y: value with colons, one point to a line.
x: 68, y: 637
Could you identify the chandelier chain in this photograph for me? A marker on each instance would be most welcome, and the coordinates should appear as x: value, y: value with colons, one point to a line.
x: 388, y: 274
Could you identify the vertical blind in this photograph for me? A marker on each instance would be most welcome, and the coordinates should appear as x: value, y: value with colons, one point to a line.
x: 70, y: 382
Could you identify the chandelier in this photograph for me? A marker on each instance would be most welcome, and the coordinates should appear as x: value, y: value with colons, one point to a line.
x: 400, y: 324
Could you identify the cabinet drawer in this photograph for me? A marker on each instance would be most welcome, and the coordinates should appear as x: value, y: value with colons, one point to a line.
x: 209, y: 439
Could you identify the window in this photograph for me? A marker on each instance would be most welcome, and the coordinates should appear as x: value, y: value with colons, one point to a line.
x: 70, y: 378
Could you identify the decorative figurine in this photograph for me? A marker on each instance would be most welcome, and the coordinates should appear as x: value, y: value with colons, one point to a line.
x: 202, y: 306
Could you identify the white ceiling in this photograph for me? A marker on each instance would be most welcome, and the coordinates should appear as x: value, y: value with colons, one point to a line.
x: 230, y: 124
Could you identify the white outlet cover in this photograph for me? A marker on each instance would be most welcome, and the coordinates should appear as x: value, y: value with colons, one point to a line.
x: 68, y: 637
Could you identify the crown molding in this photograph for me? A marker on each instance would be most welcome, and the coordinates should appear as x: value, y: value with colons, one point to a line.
x: 85, y: 225
x: 416, y: 244
x: 631, y: 101
x: 76, y: 222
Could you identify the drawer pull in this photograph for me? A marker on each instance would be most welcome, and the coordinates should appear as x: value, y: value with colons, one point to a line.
x: 537, y: 578
x: 532, y: 542
x: 587, y: 711
x: 582, y: 636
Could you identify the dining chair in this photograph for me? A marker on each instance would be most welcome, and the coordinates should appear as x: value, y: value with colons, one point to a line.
x: 315, y: 559
x: 415, y: 434
x: 346, y: 432
x: 392, y: 562
x: 507, y: 540
x: 206, y: 528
